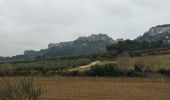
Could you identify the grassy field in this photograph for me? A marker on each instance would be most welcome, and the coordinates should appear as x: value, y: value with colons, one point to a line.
x: 65, y: 88
x: 157, y: 61
x: 98, y: 88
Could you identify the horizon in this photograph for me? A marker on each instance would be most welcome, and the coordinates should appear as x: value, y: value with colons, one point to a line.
x: 63, y: 41
x: 70, y: 41
x: 32, y: 25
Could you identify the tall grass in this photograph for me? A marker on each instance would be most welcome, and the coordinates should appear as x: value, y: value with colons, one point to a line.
x: 19, y: 89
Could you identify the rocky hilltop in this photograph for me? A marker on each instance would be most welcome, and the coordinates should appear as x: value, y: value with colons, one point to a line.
x: 90, y: 39
x: 160, y: 32
x: 93, y: 44
x: 81, y: 46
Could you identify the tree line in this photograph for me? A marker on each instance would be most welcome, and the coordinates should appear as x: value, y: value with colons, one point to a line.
x: 134, y: 45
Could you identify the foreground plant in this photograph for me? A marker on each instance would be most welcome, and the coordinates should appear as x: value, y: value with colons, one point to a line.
x: 19, y: 89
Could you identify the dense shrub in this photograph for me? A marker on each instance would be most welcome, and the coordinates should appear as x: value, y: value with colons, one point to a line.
x: 106, y: 70
x: 134, y: 73
x: 164, y: 72
x: 133, y: 45
x: 137, y: 68
x: 140, y: 70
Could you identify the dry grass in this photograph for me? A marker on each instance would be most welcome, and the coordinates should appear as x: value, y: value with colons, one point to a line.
x: 157, y: 61
x: 19, y: 89
x: 64, y: 88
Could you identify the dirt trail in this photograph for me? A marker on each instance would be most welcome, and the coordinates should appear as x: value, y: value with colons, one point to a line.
x: 86, y: 67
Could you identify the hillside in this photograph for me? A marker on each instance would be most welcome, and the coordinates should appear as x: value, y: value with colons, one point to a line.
x: 94, y: 44
x: 160, y: 32
x: 82, y: 46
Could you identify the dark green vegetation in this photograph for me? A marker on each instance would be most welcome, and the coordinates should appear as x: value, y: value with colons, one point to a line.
x: 115, y: 70
x: 111, y: 70
x: 155, y: 41
x: 136, y: 48
x: 41, y: 67
x: 122, y: 53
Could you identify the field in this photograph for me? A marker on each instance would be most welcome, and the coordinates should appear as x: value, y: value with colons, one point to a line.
x: 65, y: 88
x: 156, y: 61
x: 42, y: 67
x: 99, y: 88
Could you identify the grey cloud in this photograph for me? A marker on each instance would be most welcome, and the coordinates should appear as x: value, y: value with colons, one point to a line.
x: 32, y: 24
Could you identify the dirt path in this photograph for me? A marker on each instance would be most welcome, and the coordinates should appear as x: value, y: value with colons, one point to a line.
x: 86, y: 67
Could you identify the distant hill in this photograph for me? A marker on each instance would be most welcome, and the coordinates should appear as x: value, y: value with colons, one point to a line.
x: 94, y: 44
x: 160, y: 32
x: 82, y: 46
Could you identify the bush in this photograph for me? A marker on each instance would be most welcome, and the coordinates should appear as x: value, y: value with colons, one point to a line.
x: 6, y: 69
x: 133, y: 73
x: 164, y: 72
x: 106, y: 70
x: 75, y: 73
x: 140, y: 70
x: 137, y: 68
x: 19, y: 89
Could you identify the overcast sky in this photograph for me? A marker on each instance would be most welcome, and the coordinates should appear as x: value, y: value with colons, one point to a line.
x: 32, y: 24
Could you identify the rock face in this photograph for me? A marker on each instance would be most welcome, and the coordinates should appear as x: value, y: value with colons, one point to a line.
x: 82, y: 46
x: 160, y: 32
x: 89, y: 39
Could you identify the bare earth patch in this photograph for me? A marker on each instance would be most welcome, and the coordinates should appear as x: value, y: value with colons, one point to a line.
x: 85, y: 67
x: 64, y: 88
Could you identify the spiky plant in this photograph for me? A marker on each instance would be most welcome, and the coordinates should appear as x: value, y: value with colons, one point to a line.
x: 19, y: 89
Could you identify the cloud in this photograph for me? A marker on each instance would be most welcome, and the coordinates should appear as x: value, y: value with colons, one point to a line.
x: 32, y: 24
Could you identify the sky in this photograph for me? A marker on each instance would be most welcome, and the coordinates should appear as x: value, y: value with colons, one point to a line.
x: 33, y: 24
